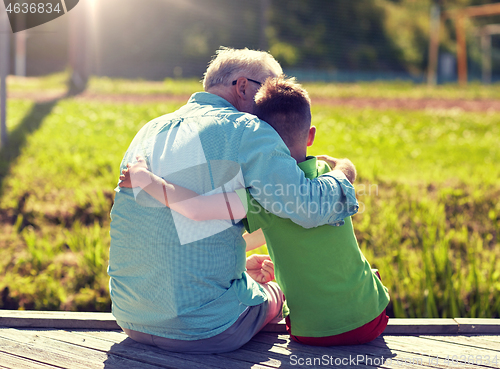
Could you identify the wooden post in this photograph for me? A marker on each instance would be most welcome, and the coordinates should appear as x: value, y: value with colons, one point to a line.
x: 79, y: 47
x: 95, y: 33
x: 461, y: 49
x: 4, y: 71
x: 470, y: 11
x: 433, y: 44
x: 20, y: 60
x: 484, y: 34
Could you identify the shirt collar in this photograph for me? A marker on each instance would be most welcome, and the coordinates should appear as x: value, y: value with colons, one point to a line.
x: 309, y: 168
x: 203, y: 98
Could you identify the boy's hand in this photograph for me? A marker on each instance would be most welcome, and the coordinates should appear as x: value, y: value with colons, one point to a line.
x: 125, y: 178
x: 332, y: 162
x: 344, y: 165
x: 136, y: 175
x: 260, y: 268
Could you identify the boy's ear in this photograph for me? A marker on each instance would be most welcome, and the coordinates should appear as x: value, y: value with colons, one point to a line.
x: 312, y: 134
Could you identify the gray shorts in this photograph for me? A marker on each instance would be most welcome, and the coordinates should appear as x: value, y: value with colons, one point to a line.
x: 249, y: 323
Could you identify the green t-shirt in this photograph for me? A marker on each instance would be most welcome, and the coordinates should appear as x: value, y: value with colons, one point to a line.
x: 328, y: 284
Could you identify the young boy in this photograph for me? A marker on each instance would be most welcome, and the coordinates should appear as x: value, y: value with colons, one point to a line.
x: 332, y: 295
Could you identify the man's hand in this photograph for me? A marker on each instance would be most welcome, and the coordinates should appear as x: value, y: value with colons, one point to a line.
x: 136, y: 175
x: 260, y: 268
x: 344, y: 165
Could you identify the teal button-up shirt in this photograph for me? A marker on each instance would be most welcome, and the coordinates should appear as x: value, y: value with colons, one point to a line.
x: 181, y: 279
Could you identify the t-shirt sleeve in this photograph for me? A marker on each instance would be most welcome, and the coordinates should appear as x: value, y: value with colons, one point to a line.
x: 257, y: 216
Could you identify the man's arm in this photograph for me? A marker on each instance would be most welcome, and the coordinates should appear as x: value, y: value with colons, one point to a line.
x: 184, y: 201
x: 254, y: 240
x: 195, y: 207
x: 275, y: 181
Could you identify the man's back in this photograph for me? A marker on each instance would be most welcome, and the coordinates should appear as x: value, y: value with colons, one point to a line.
x: 171, y: 276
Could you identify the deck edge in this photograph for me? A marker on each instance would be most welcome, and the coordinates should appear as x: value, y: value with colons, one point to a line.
x: 106, y: 321
x: 478, y: 326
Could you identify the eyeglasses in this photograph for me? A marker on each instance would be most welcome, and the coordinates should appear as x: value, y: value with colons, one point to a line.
x: 251, y: 80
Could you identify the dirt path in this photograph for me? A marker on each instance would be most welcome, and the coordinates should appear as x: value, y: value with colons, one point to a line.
x: 483, y: 105
x: 413, y: 104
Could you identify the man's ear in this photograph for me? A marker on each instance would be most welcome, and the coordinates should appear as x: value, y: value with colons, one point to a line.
x: 312, y: 134
x: 241, y: 87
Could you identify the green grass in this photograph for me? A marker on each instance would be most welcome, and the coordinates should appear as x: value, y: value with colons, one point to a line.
x: 51, y: 83
x: 403, y: 89
x: 428, y: 189
x: 412, y: 147
x: 122, y: 86
x: 103, y: 85
x: 396, y: 89
x: 55, y: 201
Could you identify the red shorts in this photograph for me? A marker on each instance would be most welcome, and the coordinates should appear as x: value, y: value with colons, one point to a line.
x: 358, y: 336
x: 363, y: 334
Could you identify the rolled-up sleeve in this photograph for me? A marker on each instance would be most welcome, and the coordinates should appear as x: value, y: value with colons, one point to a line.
x: 277, y: 183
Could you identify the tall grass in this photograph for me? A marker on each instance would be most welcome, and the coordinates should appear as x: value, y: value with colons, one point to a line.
x: 394, y: 89
x: 428, y: 187
x: 56, y: 196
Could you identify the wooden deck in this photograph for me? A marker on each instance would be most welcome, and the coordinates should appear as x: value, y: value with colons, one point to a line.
x: 93, y: 340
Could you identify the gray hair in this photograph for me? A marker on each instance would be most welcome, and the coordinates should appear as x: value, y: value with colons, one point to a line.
x: 229, y: 64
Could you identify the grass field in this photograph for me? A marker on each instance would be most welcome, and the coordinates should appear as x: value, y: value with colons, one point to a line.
x: 428, y: 188
x: 396, y: 89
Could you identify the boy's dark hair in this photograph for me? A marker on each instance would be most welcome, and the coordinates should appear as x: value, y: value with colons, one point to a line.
x: 286, y: 106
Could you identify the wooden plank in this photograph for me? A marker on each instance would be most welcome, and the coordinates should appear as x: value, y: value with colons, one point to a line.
x: 424, y: 326
x: 32, y: 346
x: 114, y: 336
x: 77, y: 320
x: 266, y: 356
x: 471, y: 341
x: 275, y: 351
x: 16, y: 362
x: 441, y: 352
x: 193, y: 361
x: 106, y: 321
x: 136, y: 351
x: 415, y: 326
x: 42, y: 355
x: 482, y: 10
x: 56, y: 319
x: 275, y: 327
x: 291, y: 355
x: 478, y: 326
x: 204, y: 360
x: 115, y: 362
x: 490, y: 338
x: 112, y: 349
x: 421, y: 326
x: 381, y: 355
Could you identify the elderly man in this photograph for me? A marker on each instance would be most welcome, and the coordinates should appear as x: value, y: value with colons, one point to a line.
x: 183, y: 285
